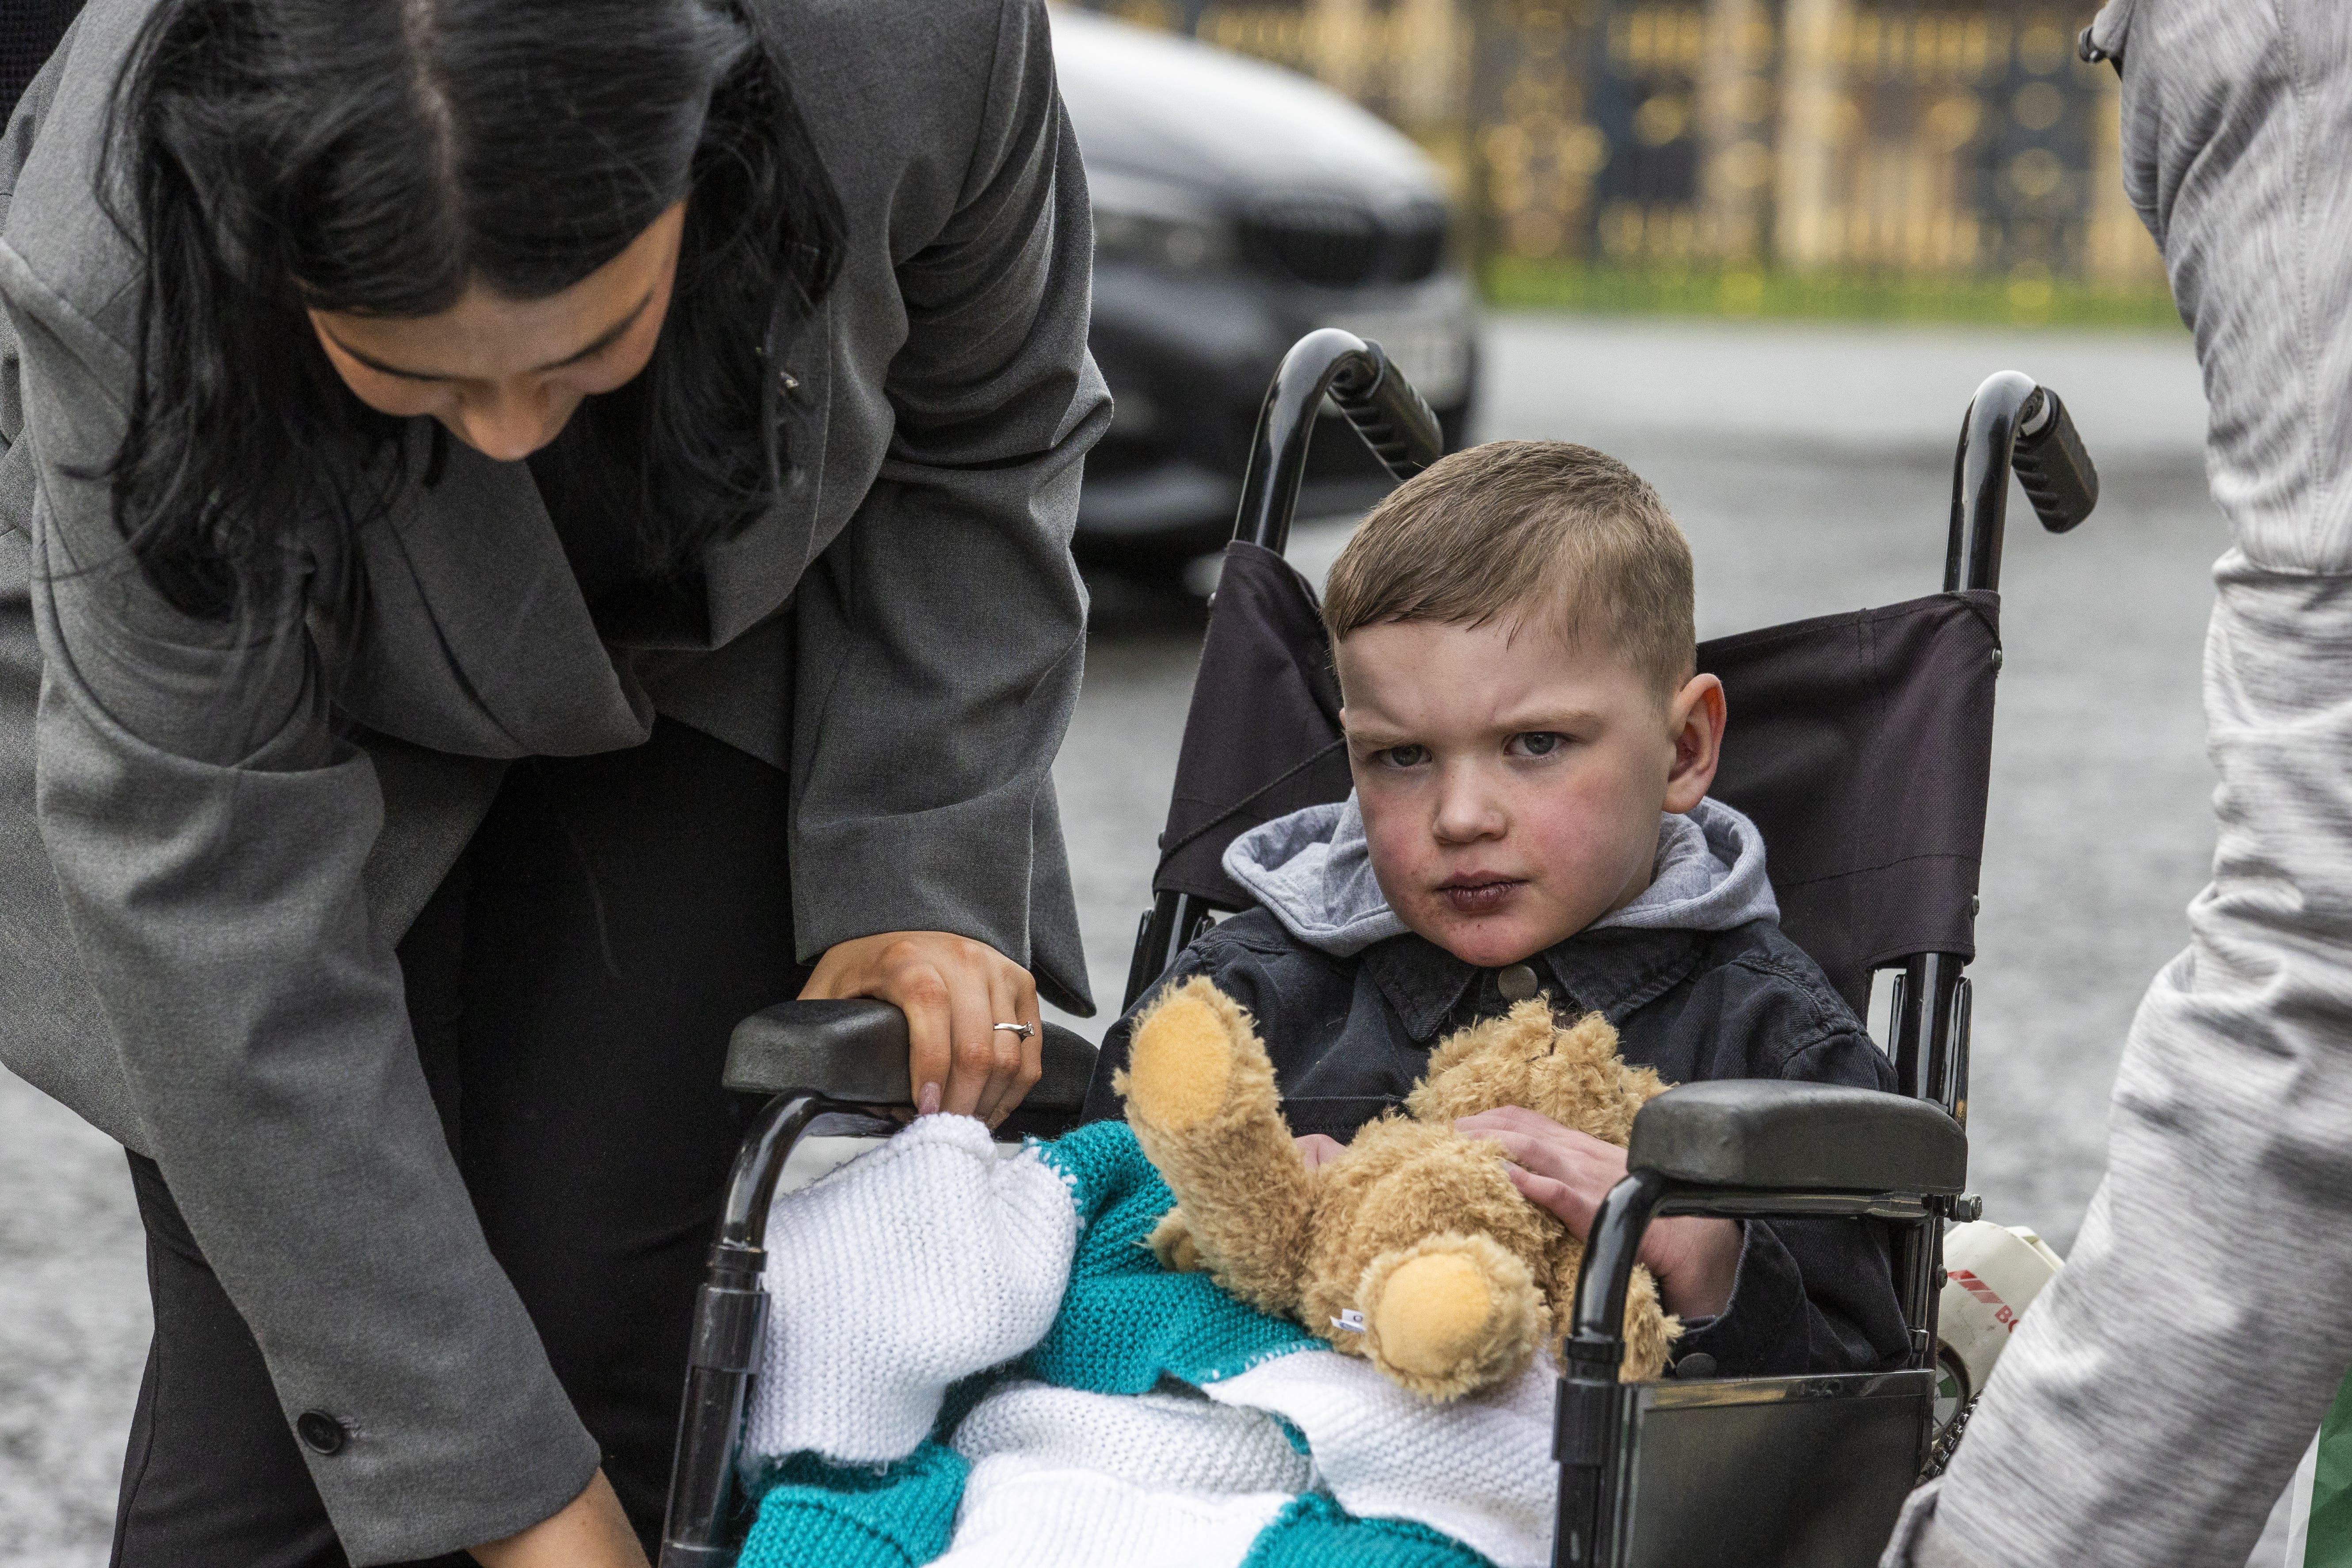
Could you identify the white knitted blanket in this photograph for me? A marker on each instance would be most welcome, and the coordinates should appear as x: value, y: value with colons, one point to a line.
x: 895, y: 1275
x: 1097, y: 1479
x: 932, y: 1258
x: 1479, y: 1469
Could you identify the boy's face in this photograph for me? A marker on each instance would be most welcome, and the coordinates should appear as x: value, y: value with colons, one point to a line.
x: 1511, y: 786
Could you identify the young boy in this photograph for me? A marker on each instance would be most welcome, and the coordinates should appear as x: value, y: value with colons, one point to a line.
x: 1531, y: 751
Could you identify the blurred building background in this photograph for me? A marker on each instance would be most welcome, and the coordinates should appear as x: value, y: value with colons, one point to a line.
x: 1865, y: 157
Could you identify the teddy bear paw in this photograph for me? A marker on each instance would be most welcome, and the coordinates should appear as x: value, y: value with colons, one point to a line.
x: 1181, y: 1067
x: 1451, y: 1315
x: 1171, y: 1241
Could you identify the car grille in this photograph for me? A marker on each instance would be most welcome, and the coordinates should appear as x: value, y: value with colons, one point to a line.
x: 1337, y: 245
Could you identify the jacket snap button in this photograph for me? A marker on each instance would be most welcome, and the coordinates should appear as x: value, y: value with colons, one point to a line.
x: 1516, y: 983
x: 320, y: 1432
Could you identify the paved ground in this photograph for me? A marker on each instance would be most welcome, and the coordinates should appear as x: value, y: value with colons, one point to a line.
x: 1810, y: 467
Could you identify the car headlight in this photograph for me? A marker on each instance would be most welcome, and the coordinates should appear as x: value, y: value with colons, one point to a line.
x: 1150, y: 223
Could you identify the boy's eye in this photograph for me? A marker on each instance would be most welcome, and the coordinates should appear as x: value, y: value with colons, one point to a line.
x: 1404, y: 756
x: 1535, y: 743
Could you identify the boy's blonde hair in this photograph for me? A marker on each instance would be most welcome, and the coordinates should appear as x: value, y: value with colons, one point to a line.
x: 1541, y: 531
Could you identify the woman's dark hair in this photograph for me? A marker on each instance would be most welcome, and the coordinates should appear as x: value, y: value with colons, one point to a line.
x: 381, y: 156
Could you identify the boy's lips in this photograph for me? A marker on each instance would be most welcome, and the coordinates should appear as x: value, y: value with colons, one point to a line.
x: 1478, y: 893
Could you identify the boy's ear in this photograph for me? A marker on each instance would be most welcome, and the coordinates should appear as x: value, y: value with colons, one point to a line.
x: 1695, y: 717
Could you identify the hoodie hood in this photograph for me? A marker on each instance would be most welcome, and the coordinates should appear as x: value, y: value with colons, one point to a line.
x: 1313, y: 869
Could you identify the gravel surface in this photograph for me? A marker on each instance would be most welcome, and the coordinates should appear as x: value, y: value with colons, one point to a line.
x: 1810, y: 467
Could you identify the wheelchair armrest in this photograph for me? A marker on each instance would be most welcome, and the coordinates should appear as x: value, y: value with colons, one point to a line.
x: 855, y: 1051
x: 1767, y: 1136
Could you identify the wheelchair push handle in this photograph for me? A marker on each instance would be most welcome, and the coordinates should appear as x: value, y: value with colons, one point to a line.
x: 1380, y: 405
x: 1387, y: 412
x: 2051, y: 463
x: 2013, y: 424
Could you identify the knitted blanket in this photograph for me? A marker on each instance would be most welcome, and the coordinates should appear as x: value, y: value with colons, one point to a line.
x: 974, y: 1360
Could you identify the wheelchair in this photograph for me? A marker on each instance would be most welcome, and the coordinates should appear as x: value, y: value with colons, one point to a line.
x: 1863, y: 751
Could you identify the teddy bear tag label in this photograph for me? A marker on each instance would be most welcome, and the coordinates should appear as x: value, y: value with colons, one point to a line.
x: 1350, y: 1319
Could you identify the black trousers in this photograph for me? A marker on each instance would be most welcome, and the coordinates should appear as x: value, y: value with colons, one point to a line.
x: 572, y: 986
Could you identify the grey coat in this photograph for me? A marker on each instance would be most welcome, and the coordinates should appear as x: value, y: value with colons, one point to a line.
x: 201, y: 886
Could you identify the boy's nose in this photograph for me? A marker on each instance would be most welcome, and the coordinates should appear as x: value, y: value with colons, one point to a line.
x: 1466, y: 813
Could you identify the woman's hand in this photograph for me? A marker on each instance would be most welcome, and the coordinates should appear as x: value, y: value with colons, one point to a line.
x: 589, y: 1531
x: 954, y: 991
x: 1693, y: 1260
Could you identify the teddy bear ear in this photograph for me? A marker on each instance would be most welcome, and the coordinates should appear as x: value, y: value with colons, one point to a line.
x: 1593, y: 1036
x: 1462, y: 1045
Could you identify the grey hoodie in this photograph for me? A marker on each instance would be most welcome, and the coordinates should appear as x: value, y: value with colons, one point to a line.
x: 1313, y: 870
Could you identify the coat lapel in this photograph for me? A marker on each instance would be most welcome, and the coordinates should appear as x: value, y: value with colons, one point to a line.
x: 476, y: 639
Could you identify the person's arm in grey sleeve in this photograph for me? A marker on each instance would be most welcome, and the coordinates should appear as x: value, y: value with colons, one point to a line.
x: 2156, y: 1398
x: 942, y: 636
x: 208, y: 833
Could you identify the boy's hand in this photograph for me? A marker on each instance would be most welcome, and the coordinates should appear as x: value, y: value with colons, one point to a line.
x: 1317, y: 1149
x: 1568, y: 1173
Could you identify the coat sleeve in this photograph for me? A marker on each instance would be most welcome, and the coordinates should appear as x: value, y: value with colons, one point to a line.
x: 207, y: 831
x: 942, y: 635
x: 1810, y: 1295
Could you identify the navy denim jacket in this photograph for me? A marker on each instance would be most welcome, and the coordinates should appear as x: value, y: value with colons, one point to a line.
x: 1349, y: 1037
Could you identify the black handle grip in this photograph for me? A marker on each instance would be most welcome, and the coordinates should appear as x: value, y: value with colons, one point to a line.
x: 1380, y: 404
x: 2052, y: 464
x: 1390, y: 416
x: 856, y: 1051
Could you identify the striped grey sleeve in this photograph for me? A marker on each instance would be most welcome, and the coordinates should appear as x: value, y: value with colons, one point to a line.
x: 2155, y: 1399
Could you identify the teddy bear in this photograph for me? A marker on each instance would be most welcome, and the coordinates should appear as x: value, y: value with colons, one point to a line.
x: 1413, y: 1248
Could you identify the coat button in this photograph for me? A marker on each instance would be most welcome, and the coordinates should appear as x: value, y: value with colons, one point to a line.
x: 1517, y: 983
x: 320, y: 1433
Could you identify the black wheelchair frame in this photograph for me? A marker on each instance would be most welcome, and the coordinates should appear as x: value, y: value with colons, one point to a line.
x: 1684, y: 1471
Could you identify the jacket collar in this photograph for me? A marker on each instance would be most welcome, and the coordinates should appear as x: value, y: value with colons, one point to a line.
x: 1607, y: 972
x: 481, y: 642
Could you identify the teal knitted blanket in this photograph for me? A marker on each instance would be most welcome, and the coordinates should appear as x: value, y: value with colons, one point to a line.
x: 1125, y: 1327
